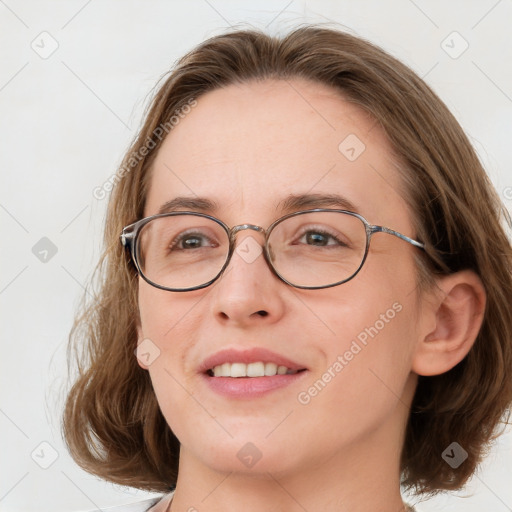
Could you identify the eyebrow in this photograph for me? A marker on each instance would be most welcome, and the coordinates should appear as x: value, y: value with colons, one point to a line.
x: 310, y: 201
x: 293, y: 202
x: 197, y: 204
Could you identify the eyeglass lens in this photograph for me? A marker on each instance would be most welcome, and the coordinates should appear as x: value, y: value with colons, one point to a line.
x: 311, y: 249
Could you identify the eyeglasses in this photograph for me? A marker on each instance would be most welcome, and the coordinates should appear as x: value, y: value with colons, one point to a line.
x: 311, y: 249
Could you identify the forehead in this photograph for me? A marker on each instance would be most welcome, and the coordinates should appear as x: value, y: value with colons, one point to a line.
x: 250, y: 146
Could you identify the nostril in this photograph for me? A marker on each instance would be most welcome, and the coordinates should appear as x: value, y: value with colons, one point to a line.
x: 262, y: 312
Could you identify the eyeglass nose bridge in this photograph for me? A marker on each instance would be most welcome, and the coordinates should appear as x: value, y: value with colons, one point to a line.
x: 241, y: 227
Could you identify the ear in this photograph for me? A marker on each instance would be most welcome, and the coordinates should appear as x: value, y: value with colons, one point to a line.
x: 450, y: 319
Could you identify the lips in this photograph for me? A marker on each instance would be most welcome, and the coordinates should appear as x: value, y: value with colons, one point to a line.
x: 249, y: 374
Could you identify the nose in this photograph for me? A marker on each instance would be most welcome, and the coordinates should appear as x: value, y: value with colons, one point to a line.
x: 248, y: 292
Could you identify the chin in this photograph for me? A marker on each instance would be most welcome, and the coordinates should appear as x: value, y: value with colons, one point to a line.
x: 244, y: 453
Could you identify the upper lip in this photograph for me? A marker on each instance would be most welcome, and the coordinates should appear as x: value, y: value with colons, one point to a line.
x: 253, y: 355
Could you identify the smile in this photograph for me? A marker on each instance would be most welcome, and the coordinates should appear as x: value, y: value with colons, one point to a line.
x: 250, y: 373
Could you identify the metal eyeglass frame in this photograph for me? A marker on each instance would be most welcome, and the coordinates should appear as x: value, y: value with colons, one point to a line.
x: 130, y: 234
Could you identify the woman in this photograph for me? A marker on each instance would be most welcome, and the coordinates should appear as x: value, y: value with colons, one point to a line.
x: 249, y: 347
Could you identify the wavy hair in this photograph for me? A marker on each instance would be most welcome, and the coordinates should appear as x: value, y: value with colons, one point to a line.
x: 112, y: 423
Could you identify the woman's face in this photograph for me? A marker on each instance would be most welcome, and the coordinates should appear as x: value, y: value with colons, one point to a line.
x: 247, y: 148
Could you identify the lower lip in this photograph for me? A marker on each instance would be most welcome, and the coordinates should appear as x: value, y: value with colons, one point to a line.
x: 250, y: 387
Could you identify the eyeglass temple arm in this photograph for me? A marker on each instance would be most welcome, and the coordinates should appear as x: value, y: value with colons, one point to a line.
x: 382, y: 229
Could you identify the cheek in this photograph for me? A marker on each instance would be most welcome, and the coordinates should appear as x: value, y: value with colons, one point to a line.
x: 153, y: 307
x: 166, y: 329
x: 170, y: 321
x: 165, y: 321
x: 369, y: 349
x: 362, y: 385
x: 162, y: 314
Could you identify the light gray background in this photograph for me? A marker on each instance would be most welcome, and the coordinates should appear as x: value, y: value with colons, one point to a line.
x: 66, y: 121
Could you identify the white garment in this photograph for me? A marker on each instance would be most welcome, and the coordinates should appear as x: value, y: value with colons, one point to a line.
x: 149, y: 505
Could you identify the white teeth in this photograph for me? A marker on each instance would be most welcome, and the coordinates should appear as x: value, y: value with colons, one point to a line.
x: 255, y: 370
x: 238, y: 370
x: 258, y: 369
x: 270, y: 368
x: 226, y: 370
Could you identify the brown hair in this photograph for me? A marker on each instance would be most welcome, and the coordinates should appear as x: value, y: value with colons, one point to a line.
x: 112, y: 422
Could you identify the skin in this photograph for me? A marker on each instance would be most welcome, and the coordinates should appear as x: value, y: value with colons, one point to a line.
x: 247, y: 147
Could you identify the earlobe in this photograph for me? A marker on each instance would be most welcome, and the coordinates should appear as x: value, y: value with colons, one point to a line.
x: 453, y: 317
